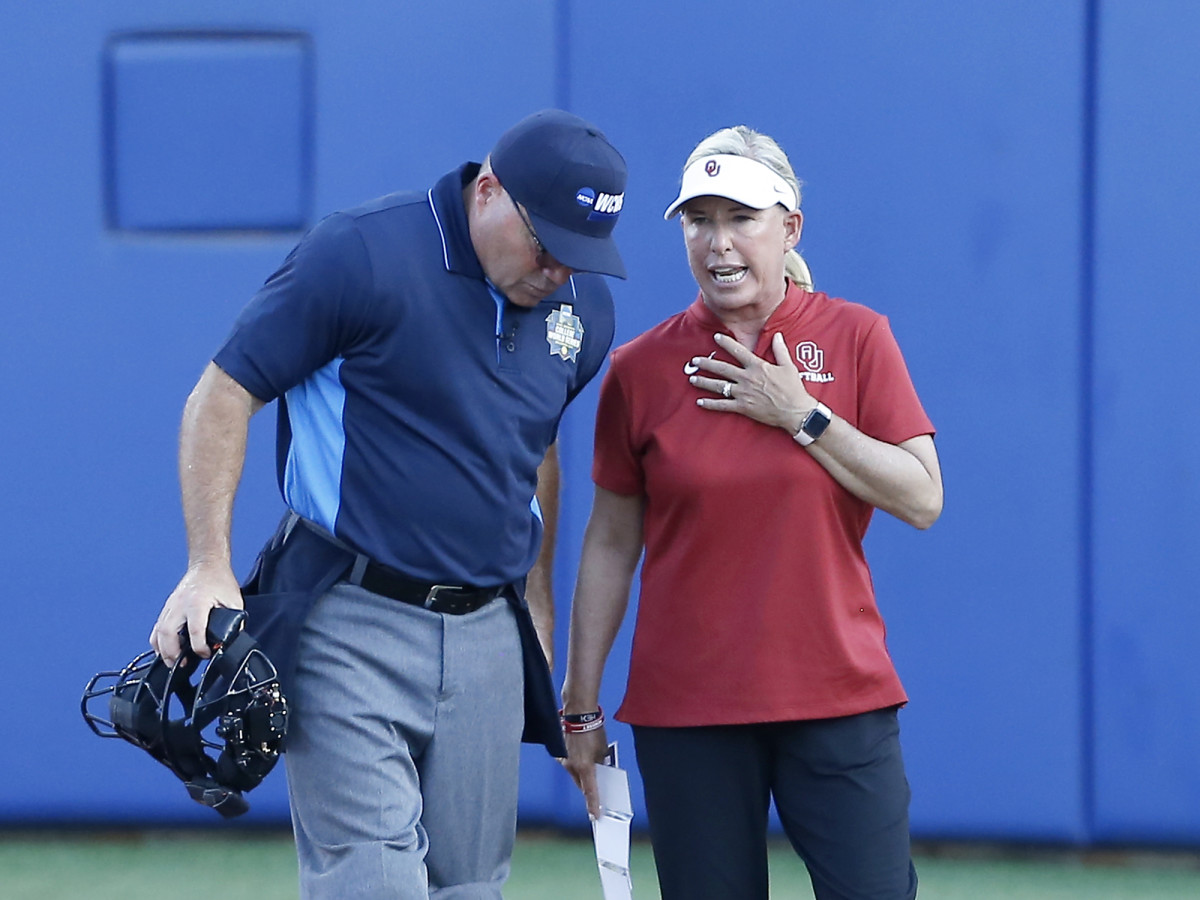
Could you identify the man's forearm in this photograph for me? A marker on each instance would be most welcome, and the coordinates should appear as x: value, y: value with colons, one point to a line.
x: 212, y: 453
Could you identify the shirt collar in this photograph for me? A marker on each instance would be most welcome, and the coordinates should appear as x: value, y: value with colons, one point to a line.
x: 793, y: 305
x: 445, y: 199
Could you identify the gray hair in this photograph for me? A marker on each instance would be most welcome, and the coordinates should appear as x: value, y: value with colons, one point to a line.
x: 743, y: 141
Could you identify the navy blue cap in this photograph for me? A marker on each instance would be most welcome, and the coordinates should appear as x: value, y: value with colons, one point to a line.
x: 571, y: 181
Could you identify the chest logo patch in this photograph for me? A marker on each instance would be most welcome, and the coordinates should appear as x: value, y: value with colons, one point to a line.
x: 811, y: 360
x: 564, y: 332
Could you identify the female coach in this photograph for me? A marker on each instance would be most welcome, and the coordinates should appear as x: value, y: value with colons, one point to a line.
x: 745, y: 443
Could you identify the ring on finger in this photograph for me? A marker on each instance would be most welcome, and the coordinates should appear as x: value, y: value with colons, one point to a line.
x: 726, y: 389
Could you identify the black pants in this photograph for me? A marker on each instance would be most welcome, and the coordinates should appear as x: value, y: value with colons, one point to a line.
x: 839, y: 788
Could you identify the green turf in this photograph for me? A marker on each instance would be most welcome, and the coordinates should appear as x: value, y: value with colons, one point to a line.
x: 236, y: 865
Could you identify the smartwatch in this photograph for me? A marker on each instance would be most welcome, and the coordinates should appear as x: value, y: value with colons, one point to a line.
x: 814, y: 425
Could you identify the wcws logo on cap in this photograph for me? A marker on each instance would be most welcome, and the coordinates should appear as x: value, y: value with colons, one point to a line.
x: 603, y: 205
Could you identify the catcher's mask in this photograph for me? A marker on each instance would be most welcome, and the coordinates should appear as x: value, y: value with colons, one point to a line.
x: 158, y: 708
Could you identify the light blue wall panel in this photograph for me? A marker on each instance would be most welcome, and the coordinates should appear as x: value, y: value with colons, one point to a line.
x: 1147, y: 422
x: 940, y: 146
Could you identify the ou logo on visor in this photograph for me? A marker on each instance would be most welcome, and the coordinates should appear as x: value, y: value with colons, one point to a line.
x: 809, y: 355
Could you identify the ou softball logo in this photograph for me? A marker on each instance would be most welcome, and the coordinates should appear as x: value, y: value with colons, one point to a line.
x: 809, y: 355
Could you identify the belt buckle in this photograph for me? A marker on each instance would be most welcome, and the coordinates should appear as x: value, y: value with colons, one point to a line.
x: 434, y: 590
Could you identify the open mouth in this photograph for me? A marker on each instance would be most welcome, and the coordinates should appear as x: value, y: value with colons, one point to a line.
x: 728, y: 274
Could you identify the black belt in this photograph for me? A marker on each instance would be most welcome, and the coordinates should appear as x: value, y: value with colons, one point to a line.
x: 454, y: 599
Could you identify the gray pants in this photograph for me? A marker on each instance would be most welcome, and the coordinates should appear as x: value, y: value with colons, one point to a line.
x: 403, y: 749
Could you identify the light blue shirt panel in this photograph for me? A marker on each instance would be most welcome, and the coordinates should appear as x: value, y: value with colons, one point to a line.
x: 312, y: 477
x: 499, y: 300
x: 534, y: 506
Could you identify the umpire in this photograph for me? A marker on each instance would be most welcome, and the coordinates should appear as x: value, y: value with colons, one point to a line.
x: 422, y: 347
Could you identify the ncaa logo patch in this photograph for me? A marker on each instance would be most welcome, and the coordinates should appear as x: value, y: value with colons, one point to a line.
x: 603, y: 206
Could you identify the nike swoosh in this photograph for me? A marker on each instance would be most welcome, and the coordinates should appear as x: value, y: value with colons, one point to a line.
x: 690, y: 368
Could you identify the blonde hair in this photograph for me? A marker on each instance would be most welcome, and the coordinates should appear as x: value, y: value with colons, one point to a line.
x: 743, y: 141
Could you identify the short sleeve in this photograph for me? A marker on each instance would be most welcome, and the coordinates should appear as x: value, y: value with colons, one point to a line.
x: 308, y: 312
x: 889, y: 409
x: 616, y: 465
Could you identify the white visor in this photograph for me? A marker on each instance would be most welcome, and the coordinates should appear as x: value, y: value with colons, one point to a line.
x: 737, y: 178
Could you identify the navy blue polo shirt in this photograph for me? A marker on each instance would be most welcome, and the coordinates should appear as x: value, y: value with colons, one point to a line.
x: 417, y: 402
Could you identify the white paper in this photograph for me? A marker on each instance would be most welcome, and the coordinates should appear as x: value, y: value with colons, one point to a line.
x: 611, y: 830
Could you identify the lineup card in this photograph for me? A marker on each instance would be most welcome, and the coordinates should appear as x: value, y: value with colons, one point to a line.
x: 611, y: 830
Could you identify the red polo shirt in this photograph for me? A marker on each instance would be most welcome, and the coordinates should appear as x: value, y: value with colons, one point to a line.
x: 756, y: 602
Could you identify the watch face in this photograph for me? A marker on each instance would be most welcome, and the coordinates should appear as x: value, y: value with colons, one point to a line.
x: 815, y: 423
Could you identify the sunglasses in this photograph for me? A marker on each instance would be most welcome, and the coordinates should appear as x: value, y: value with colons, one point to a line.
x: 544, y: 259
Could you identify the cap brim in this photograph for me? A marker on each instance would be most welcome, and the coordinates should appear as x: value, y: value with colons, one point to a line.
x: 578, y: 251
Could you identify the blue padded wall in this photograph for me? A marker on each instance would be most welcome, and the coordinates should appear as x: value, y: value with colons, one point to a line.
x: 939, y: 143
x: 1147, y: 423
x: 1040, y: 283
x: 107, y: 330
